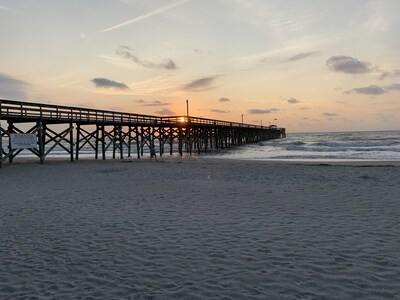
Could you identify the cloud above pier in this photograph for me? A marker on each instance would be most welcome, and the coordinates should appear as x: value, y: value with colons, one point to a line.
x: 293, y: 100
x: 152, y: 103
x: 12, y: 88
x: 368, y: 90
x: 348, y: 65
x: 109, y: 84
x: 127, y: 53
x: 220, y: 111
x: 389, y: 74
x: 202, y: 84
x: 7, y: 79
x: 330, y: 114
x: 257, y: 111
x: 300, y: 56
x: 165, y: 112
x: 393, y: 87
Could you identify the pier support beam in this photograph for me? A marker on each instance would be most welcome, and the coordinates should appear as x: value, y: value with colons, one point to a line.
x: 10, y: 150
x: 60, y: 140
x: 129, y: 140
x: 103, y: 142
x: 137, y: 139
x: 41, y: 137
x: 1, y: 144
x: 180, y: 140
x: 78, y: 135
x: 171, y: 140
x: 71, y: 139
x: 86, y: 137
x: 96, y: 147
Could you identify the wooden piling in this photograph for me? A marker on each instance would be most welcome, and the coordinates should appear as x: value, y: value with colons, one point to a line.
x: 1, y: 143
x: 41, y: 137
x: 78, y: 135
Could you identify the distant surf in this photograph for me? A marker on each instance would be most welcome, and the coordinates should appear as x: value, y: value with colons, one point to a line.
x: 360, y: 145
x: 344, y: 146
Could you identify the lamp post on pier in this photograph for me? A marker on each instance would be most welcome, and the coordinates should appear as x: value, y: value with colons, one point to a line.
x: 242, y: 119
x: 187, y: 108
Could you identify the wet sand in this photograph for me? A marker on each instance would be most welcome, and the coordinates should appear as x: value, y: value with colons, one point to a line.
x: 198, y: 228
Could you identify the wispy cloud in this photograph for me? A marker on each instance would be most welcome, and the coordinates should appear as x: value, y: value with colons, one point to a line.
x: 202, y: 84
x: 220, y: 111
x: 153, y: 103
x: 215, y: 110
x: 389, y: 74
x: 11, y: 87
x: 293, y: 100
x: 300, y: 56
x: 330, y: 114
x: 223, y: 99
x: 375, y: 90
x: 393, y: 87
x: 7, y: 8
x: 256, y: 111
x: 127, y: 53
x: 158, y: 85
x: 348, y: 65
x: 109, y: 84
x: 367, y: 90
x: 145, y: 16
x: 165, y: 112
x: 7, y: 79
x: 265, y: 54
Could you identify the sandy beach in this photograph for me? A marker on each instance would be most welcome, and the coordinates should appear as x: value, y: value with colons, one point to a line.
x: 196, y: 228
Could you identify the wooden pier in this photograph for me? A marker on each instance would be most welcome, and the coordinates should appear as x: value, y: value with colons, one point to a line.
x: 72, y: 128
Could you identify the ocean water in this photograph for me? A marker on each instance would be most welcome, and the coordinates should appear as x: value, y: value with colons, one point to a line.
x: 346, y: 146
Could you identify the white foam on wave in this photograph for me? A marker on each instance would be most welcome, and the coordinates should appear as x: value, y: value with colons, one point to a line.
x: 384, y: 146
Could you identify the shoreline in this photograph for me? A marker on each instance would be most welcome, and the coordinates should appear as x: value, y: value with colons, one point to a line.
x: 205, y: 159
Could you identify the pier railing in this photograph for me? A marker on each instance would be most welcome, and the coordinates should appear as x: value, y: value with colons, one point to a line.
x: 26, y: 111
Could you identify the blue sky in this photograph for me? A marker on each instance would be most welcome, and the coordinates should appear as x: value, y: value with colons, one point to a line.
x: 311, y: 65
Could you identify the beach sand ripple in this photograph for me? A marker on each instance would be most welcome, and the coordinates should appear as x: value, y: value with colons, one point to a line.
x: 199, y: 229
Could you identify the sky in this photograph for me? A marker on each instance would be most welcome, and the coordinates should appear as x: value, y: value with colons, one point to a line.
x: 306, y: 65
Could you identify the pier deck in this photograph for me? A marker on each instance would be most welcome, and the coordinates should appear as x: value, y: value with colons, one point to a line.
x: 72, y: 128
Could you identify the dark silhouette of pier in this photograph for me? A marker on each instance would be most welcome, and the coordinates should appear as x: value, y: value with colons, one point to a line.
x: 72, y: 128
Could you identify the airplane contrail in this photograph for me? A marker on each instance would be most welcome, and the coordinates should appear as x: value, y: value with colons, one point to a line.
x: 145, y: 16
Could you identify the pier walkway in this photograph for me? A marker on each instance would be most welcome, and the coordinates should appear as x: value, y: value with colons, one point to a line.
x: 40, y: 128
